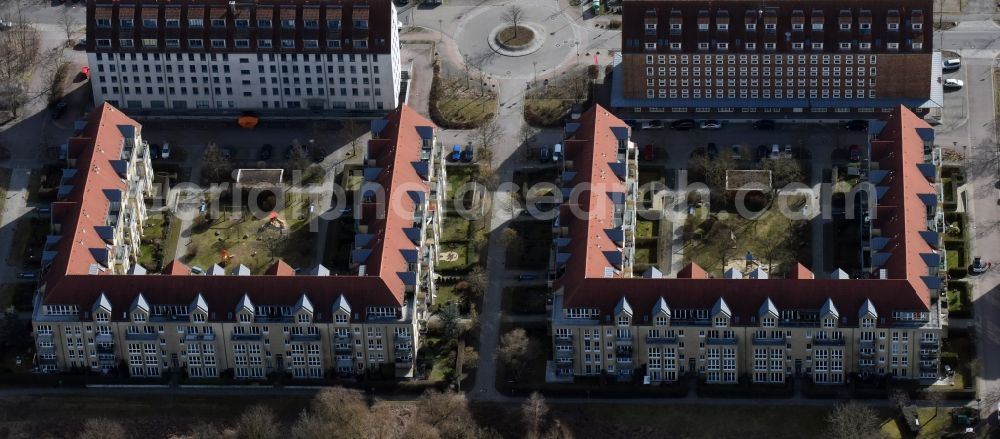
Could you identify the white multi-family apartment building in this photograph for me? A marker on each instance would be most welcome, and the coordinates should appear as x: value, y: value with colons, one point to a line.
x: 747, y: 325
x: 282, y: 54
x: 96, y: 313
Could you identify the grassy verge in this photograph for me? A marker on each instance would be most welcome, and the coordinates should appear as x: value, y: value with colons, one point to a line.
x: 456, y: 103
x: 934, y: 423
x: 173, y: 235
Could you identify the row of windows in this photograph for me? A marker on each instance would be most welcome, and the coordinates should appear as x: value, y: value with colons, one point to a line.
x: 754, y: 94
x: 284, y: 57
x: 183, y: 104
x: 915, y: 45
x: 765, y: 59
x: 222, y: 23
x: 744, y: 82
x: 754, y: 71
x: 220, y: 43
x: 341, y: 70
x: 796, y: 25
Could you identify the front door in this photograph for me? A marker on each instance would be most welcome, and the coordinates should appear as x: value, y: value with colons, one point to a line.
x: 692, y: 367
x: 798, y: 367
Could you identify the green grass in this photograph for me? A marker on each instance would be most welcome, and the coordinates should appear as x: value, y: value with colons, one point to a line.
x: 455, y: 229
x: 933, y: 424
x: 524, y: 300
x: 462, y: 110
x: 458, y: 177
x: 644, y: 256
x: 645, y: 229
x: 239, y: 239
x: 17, y: 294
x: 446, y: 294
x: 697, y: 422
x: 772, y: 233
x: 462, y: 263
x: 544, y: 112
x: 959, y: 303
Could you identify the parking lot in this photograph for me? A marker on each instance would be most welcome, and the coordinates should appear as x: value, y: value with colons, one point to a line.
x: 672, y: 148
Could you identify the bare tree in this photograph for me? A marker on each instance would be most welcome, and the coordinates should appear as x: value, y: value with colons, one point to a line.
x: 512, y: 241
x: 487, y: 134
x: 534, y: 410
x: 204, y: 431
x: 351, y: 132
x: 214, y: 165
x: 478, y: 280
x: 258, y: 422
x: 899, y: 398
x: 450, y: 324
x: 852, y: 420
x: 467, y: 64
x: 514, y: 348
x: 102, y: 428
x: 69, y: 23
x: 299, y: 159
x: 335, y: 412
x: 936, y: 399
x: 513, y: 16
x: 448, y: 414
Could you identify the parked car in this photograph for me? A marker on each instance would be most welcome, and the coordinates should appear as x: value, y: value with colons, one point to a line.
x: 266, y: 151
x: 652, y: 125
x: 197, y: 270
x: 775, y: 150
x: 953, y: 83
x: 543, y: 154
x: 81, y: 43
x: 712, y: 151
x: 557, y: 152
x: 856, y: 125
x: 761, y: 152
x: 737, y: 155
x: 456, y: 153
x: 710, y: 125
x: 647, y: 152
x: 4, y: 25
x: 58, y: 110
x: 764, y: 124
x: 683, y: 125
x: 26, y: 275
x: 154, y: 151
x: 978, y: 267
x: 166, y: 151
x: 467, y: 154
x: 854, y: 153
x: 788, y: 150
x: 526, y: 277
x: 951, y: 64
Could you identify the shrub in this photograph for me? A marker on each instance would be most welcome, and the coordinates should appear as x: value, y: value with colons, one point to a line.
x: 615, y: 24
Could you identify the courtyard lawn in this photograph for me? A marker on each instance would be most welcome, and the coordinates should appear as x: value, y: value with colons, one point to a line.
x: 772, y: 238
x: 455, y: 257
x: 645, y: 229
x: 243, y: 239
x: 934, y: 423
x: 455, y: 229
x: 458, y: 176
x: 445, y: 295
x: 153, y: 240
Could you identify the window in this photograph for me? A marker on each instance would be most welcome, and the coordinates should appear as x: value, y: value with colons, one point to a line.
x: 769, y: 46
x: 361, y: 24
x: 288, y: 24
x: 218, y: 22
x: 360, y: 44
x: 723, y: 46
x: 864, y: 46
x: 751, y: 26
x: 333, y: 44
x: 893, y: 26
x: 173, y: 43
x: 218, y: 43
x: 770, y: 26
x: 797, y: 46
x: 817, y: 25
x: 264, y: 44
x: 242, y: 44
x: 333, y: 24
x: 149, y: 23
x: 264, y: 24
x: 845, y: 26
x: 798, y: 26
x: 650, y: 46
x: 865, y: 26
x: 242, y: 23
x: 918, y: 26
x: 817, y: 46
x: 310, y: 44
x: 751, y: 46
x: 125, y: 42
x: 287, y: 44
x: 918, y: 46
x: 892, y: 46
x: 722, y: 321
x: 196, y: 23
x: 675, y: 46
x: 125, y: 23
x: 311, y: 24
x: 722, y: 26
x: 104, y: 22
x: 149, y: 42
x: 702, y: 46
x: 845, y: 46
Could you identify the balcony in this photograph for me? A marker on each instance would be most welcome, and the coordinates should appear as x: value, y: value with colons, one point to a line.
x: 564, y: 360
x: 47, y: 361
x: 199, y: 337
x: 404, y: 361
x: 929, y: 344
x: 105, y: 348
x: 661, y: 340
x: 141, y: 336
x: 47, y: 349
x: 47, y: 336
x: 623, y: 340
x: 720, y: 340
x: 562, y: 340
x: 928, y: 355
x: 247, y: 337
x: 828, y: 341
x: 304, y: 337
x: 928, y: 367
x: 343, y: 350
x: 104, y: 338
x: 342, y: 337
x: 866, y: 355
x: 867, y: 343
x: 404, y: 348
x: 769, y: 341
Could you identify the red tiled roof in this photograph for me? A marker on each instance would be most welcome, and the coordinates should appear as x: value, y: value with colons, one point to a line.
x: 900, y: 148
x: 86, y: 206
x: 591, y: 150
x: 68, y: 283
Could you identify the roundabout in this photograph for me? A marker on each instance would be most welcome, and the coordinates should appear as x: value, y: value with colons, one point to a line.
x: 551, y: 41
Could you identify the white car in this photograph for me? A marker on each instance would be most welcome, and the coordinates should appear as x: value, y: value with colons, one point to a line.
x: 710, y: 125
x: 953, y: 83
x: 165, y: 153
x: 953, y: 63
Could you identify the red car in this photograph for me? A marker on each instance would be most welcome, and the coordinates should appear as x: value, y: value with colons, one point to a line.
x: 647, y: 153
x: 85, y: 72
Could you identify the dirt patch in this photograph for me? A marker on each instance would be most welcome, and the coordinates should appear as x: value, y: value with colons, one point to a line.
x: 515, y: 36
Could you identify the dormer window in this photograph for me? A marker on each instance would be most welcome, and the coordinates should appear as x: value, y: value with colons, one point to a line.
x: 661, y: 320
x: 624, y: 320
x: 751, y: 26
x: 867, y: 322
x: 722, y: 26
x: 770, y: 26
x: 303, y: 318
x: 198, y: 317
x: 721, y: 322
x: 138, y: 317
x: 830, y: 322
x: 768, y: 322
x: 340, y: 318
x: 798, y: 26
x: 102, y: 317
x: 817, y: 25
x: 918, y: 26
x: 845, y: 26
x: 246, y: 317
